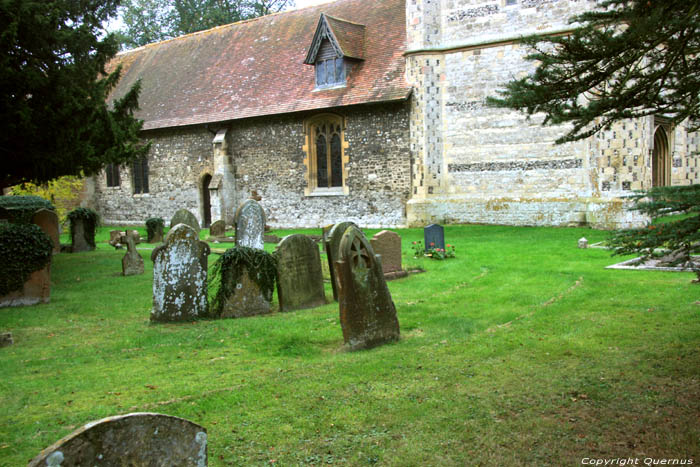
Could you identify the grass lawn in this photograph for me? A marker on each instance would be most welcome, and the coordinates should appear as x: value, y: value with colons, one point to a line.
x: 523, y: 350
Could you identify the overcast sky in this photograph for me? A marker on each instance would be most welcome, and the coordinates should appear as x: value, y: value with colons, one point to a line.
x: 305, y: 3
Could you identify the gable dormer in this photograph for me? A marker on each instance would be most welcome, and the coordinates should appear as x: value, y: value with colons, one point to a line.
x: 336, y: 45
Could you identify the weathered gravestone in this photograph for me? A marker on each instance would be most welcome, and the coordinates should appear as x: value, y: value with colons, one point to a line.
x: 582, y: 242
x: 180, y: 276
x: 218, y: 229
x: 299, y: 275
x: 79, y: 241
x: 6, y: 339
x: 36, y: 289
x: 136, y: 439
x: 132, y: 262
x: 434, y: 236
x: 115, y: 238
x: 331, y: 244
x: 247, y: 299
x: 183, y: 216
x: 47, y: 221
x: 250, y: 225
x: 367, y: 312
x: 387, y: 244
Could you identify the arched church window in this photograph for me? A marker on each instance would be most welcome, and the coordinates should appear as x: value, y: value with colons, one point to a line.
x: 139, y: 175
x: 326, y: 151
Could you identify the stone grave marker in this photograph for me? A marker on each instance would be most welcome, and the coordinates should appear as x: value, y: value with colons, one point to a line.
x: 132, y: 262
x: 218, y: 229
x: 183, y: 216
x: 180, y: 276
x: 78, y: 241
x: 136, y: 439
x: 250, y: 225
x: 434, y: 236
x: 367, y: 312
x: 36, y: 289
x: 247, y: 300
x: 331, y: 245
x: 387, y: 244
x: 582, y: 242
x: 299, y: 275
x: 47, y: 221
x: 6, y: 339
x: 115, y: 238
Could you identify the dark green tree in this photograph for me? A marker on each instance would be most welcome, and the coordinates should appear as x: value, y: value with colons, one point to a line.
x: 53, y: 103
x: 629, y: 58
x: 147, y: 21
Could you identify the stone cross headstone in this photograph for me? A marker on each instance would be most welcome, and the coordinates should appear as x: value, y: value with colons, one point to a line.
x: 218, y: 229
x: 138, y: 439
x: 434, y: 236
x: 47, y: 221
x: 367, y: 312
x: 387, y: 244
x: 250, y: 225
x: 247, y: 299
x: 331, y: 245
x: 132, y: 262
x: 299, y: 275
x: 78, y: 241
x: 180, y: 276
x: 183, y: 216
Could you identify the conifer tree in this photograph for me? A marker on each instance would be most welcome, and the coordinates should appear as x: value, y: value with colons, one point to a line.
x: 54, y: 88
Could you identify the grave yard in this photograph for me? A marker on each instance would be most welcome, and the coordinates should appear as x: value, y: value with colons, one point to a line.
x: 521, y: 350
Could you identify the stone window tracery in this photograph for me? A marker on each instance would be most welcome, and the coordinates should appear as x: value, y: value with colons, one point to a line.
x: 325, y: 148
x: 139, y: 175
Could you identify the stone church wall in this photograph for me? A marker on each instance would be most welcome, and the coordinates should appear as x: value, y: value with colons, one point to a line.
x: 267, y: 157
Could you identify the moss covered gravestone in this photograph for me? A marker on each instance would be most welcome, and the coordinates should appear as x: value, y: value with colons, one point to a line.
x: 183, y: 216
x: 299, y: 275
x: 25, y: 261
x: 331, y: 245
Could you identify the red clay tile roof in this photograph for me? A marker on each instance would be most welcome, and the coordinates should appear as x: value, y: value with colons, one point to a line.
x: 348, y: 37
x: 255, y: 68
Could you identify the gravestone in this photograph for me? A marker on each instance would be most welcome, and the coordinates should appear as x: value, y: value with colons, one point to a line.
x: 78, y: 241
x: 115, y: 238
x: 183, y: 216
x: 180, y: 276
x: 367, y: 312
x: 136, y: 439
x: 36, y: 289
x: 218, y: 229
x: 155, y: 236
x: 387, y: 244
x: 132, y: 262
x: 47, y: 221
x: 6, y: 339
x: 250, y: 225
x: 434, y: 236
x: 299, y: 275
x: 247, y: 300
x: 331, y: 245
x: 582, y: 242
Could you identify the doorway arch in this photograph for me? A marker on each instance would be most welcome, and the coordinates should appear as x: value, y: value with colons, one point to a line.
x: 660, y: 158
x: 206, y: 201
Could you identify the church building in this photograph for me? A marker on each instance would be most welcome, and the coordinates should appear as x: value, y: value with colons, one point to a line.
x: 374, y: 112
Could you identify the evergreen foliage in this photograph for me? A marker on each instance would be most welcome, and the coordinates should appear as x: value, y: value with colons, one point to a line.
x: 24, y: 248
x: 153, y: 224
x: 680, y: 235
x: 148, y: 21
x: 53, y: 103
x: 629, y: 58
x: 226, y: 272
x: 90, y: 219
x: 22, y: 208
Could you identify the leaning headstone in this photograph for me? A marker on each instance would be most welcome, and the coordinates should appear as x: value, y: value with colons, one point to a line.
x: 250, y: 225
x: 434, y: 236
x: 387, y: 244
x: 138, y: 439
x: 218, y: 229
x: 183, y: 216
x: 6, y: 339
x: 47, y: 221
x: 331, y: 245
x: 582, y: 242
x: 299, y: 275
x: 132, y: 262
x: 180, y: 276
x: 78, y: 241
x: 367, y: 312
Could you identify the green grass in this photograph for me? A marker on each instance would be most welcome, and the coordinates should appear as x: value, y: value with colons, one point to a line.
x: 523, y: 350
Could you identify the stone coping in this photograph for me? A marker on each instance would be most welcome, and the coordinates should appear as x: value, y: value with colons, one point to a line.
x: 652, y: 265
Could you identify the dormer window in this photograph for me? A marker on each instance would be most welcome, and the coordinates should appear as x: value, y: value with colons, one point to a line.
x: 336, y: 43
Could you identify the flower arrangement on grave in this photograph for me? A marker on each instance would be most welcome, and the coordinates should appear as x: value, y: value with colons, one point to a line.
x: 90, y: 222
x: 24, y: 248
x: 432, y: 252
x: 225, y: 274
x: 153, y: 224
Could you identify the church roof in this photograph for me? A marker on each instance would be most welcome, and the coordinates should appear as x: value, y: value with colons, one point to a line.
x: 256, y: 67
x: 347, y: 38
